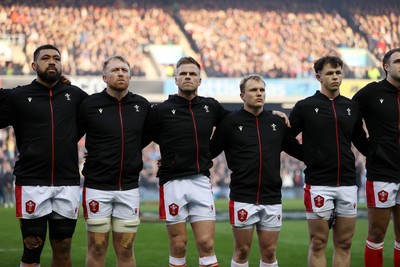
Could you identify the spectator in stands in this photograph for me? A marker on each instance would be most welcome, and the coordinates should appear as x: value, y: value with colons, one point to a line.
x: 329, y: 123
x: 379, y: 102
x: 7, y: 184
x: 252, y: 139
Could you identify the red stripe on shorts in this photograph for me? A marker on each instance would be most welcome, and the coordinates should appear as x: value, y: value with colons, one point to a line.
x: 369, y: 189
x: 161, y: 208
x: 18, y: 201
x: 232, y: 211
x: 307, y: 198
x: 85, y: 213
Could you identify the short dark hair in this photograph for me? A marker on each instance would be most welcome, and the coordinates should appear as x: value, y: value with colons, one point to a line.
x: 331, y: 60
x: 387, y: 56
x: 246, y: 78
x: 187, y: 60
x: 116, y: 57
x: 43, y: 47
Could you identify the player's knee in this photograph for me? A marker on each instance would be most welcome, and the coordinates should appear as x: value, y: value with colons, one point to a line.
x: 206, y: 245
x: 33, y: 233
x: 318, y: 243
x: 242, y: 252
x: 60, y: 229
x: 34, y: 236
x: 99, y: 227
x: 128, y: 228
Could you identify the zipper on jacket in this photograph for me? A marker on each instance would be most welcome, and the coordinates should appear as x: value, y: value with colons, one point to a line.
x: 337, y: 143
x: 260, y: 166
x: 121, y: 165
x: 195, y: 137
x: 398, y: 118
x: 52, y: 134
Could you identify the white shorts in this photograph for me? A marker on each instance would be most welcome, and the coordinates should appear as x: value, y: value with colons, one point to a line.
x: 265, y: 217
x: 320, y: 201
x: 38, y: 201
x: 382, y: 194
x: 105, y: 204
x: 188, y: 198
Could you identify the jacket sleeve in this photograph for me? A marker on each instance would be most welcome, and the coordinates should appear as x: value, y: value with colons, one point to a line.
x: 292, y: 146
x: 5, y: 108
x: 218, y: 140
x: 152, y: 127
x: 359, y: 136
x: 296, y: 120
x: 81, y: 121
x: 222, y: 112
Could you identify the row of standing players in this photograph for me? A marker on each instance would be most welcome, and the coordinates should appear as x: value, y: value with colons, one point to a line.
x: 49, y: 117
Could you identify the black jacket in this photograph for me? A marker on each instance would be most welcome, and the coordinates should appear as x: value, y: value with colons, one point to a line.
x: 328, y: 128
x: 45, y: 126
x: 380, y: 107
x: 252, y: 148
x: 113, y: 140
x: 183, y: 130
x: 4, y: 117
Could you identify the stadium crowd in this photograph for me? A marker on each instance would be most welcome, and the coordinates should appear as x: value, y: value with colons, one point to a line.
x: 233, y: 38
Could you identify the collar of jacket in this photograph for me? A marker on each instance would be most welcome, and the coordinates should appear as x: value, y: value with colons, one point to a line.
x: 104, y: 92
x: 37, y: 84
x: 180, y: 100
x: 390, y: 86
x: 324, y: 97
x: 249, y: 114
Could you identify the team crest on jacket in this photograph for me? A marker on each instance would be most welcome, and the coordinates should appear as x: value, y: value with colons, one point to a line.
x: 173, y: 209
x: 381, y: 100
x: 273, y: 127
x: 319, y: 201
x: 30, y: 99
x: 316, y: 110
x: 100, y: 110
x: 173, y: 111
x: 136, y: 108
x: 242, y: 215
x: 94, y: 206
x: 206, y: 108
x: 68, y: 97
x: 383, y: 196
x: 240, y: 128
x: 348, y: 111
x: 30, y: 206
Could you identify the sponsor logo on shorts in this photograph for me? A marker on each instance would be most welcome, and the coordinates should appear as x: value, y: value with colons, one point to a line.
x: 383, y: 196
x: 30, y: 206
x: 94, y: 206
x: 173, y: 209
x: 319, y: 201
x: 242, y: 215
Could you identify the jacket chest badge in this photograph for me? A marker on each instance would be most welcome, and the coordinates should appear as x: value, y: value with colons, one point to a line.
x: 273, y: 127
x: 100, y: 110
x: 30, y: 99
x: 381, y: 100
x: 136, y: 108
x: 206, y: 108
x: 316, y: 110
x: 240, y: 128
x: 68, y: 97
x: 348, y: 111
x: 173, y: 111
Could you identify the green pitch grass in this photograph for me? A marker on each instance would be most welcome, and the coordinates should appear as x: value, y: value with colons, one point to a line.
x: 151, y: 245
